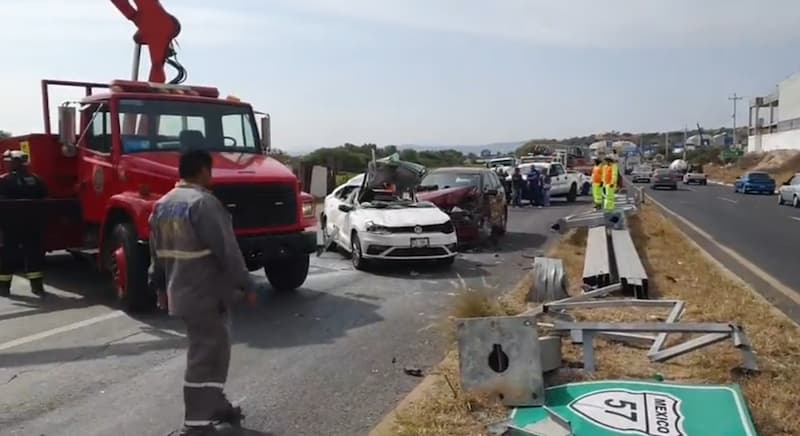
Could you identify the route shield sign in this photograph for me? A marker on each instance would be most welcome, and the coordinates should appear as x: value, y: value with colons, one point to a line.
x: 606, y: 408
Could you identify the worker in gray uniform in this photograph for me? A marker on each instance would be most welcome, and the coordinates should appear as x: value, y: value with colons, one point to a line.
x: 198, y: 267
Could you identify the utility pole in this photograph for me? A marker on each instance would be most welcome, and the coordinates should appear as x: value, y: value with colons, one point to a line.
x: 666, y: 146
x: 735, y: 98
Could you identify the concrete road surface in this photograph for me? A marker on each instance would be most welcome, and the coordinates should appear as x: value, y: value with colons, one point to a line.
x: 326, y: 360
x: 750, y: 234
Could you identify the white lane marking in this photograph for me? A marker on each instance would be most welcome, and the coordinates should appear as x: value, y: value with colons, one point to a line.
x: 58, y: 330
x: 796, y: 218
x: 728, y: 200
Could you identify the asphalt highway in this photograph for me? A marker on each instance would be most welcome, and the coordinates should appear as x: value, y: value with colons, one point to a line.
x: 760, y: 239
x: 326, y: 360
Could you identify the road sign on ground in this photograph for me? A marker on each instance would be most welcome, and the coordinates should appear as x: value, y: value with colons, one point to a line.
x: 606, y: 408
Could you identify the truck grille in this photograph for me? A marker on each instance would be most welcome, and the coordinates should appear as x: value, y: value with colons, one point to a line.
x: 259, y: 206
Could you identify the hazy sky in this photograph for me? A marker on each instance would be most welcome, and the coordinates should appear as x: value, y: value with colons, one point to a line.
x: 427, y: 71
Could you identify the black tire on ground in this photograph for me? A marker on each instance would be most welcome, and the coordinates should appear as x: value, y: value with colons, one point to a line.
x: 796, y: 201
x: 287, y: 274
x: 572, y: 195
x: 133, y: 294
x: 359, y: 262
x: 501, y: 230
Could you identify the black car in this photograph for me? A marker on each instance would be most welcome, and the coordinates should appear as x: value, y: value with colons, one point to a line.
x: 663, y: 178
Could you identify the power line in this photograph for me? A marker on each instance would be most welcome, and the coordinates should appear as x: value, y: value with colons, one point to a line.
x: 735, y: 99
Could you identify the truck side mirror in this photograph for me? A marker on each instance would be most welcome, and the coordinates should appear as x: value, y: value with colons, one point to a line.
x: 266, y: 134
x: 66, y: 128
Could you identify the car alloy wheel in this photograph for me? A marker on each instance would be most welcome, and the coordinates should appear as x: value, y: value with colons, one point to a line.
x: 356, y: 254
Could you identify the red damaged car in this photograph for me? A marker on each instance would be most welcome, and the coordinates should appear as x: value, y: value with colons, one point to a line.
x: 473, y: 197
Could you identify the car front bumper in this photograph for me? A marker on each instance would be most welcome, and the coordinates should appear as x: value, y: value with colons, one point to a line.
x: 398, y: 246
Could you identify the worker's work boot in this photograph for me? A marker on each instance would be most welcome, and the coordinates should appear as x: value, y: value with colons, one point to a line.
x: 37, y: 287
x: 233, y: 416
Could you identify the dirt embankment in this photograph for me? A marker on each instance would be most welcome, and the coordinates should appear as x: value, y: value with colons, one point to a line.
x: 678, y: 270
x: 781, y: 164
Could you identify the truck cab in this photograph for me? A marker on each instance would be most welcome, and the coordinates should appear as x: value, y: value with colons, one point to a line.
x: 108, y: 167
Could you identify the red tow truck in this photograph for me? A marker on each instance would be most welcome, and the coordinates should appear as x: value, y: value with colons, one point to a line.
x: 104, y: 177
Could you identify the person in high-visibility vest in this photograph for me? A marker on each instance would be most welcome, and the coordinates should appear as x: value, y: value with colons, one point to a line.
x: 597, y: 183
x: 610, y: 179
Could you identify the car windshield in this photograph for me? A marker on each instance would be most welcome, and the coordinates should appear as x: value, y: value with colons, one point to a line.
x: 446, y: 180
x: 759, y: 176
x: 662, y: 172
x: 165, y: 125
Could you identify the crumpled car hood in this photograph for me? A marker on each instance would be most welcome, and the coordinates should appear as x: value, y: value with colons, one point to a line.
x: 449, y: 197
x: 404, y: 217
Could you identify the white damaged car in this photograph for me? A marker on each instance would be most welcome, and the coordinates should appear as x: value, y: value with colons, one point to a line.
x: 376, y: 217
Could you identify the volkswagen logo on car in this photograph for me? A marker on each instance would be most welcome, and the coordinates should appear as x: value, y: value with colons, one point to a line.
x: 417, y: 229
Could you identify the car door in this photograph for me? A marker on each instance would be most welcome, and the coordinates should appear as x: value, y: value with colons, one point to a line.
x: 342, y: 222
x: 558, y: 179
x: 332, y: 204
x: 794, y: 188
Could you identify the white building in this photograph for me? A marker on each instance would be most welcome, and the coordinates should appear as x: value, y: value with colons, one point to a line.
x: 775, y: 119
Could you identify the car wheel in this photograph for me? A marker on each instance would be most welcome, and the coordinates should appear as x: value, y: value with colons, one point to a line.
x: 501, y: 229
x: 356, y: 254
x: 796, y: 201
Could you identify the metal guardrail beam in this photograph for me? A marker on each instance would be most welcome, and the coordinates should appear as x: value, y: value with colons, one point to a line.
x: 630, y: 270
x: 597, y: 262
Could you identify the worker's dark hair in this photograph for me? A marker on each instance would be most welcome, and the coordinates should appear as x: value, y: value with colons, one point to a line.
x: 193, y: 162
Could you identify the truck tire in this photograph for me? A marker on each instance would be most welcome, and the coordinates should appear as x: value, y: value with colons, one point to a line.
x: 287, y: 274
x: 128, y: 264
x: 572, y: 195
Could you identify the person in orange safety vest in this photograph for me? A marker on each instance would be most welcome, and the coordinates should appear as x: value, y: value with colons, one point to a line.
x: 610, y: 181
x: 597, y: 183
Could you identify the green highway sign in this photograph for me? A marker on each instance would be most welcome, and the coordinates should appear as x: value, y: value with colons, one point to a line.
x: 607, y: 408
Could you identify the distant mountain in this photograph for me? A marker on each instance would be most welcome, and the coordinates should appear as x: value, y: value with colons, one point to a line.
x: 495, y: 147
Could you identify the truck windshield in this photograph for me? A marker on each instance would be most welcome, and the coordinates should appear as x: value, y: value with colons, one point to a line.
x: 165, y: 125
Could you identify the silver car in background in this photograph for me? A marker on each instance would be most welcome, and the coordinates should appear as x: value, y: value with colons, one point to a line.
x: 642, y: 174
x: 789, y: 192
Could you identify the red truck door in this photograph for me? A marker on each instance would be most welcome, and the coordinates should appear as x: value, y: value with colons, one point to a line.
x: 96, y: 167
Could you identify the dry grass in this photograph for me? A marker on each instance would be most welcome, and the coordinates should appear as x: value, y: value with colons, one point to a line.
x: 677, y: 271
x: 781, y: 164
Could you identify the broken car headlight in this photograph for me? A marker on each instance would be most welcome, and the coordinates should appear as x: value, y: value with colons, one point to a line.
x: 377, y: 228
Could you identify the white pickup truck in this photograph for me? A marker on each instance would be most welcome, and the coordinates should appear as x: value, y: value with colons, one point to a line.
x: 562, y: 183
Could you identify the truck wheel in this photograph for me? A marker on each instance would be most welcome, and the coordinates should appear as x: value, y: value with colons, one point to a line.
x: 287, y: 274
x: 128, y: 263
x: 572, y: 195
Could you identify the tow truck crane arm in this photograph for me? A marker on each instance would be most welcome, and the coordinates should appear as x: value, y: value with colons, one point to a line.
x: 157, y: 29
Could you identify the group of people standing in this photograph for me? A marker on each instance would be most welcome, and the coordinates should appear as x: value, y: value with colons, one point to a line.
x: 536, y: 183
x: 605, y: 182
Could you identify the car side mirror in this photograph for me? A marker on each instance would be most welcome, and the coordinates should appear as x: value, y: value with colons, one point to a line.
x: 345, y: 208
x: 66, y: 129
x: 266, y: 134
x: 492, y: 192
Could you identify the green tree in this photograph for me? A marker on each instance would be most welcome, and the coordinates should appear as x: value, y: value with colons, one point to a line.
x: 4, y: 134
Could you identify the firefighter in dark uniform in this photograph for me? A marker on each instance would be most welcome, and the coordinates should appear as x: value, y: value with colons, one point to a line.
x: 21, y: 233
x: 198, y: 264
